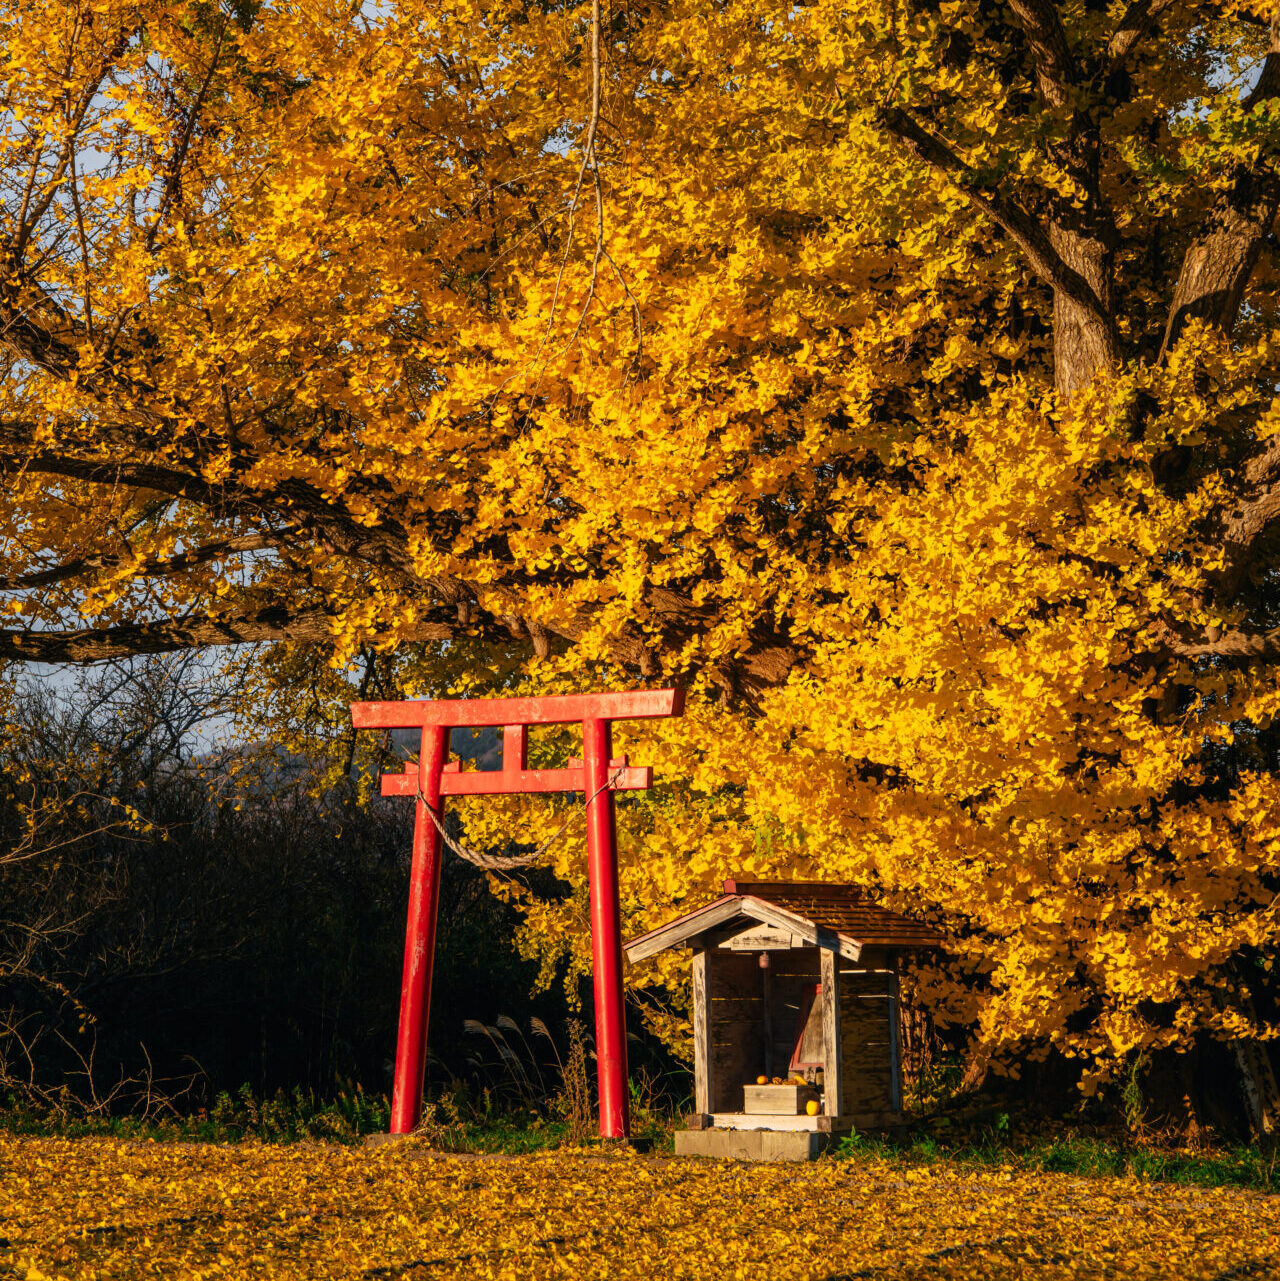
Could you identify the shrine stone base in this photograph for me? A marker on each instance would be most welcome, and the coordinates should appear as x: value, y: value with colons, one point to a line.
x: 755, y: 1145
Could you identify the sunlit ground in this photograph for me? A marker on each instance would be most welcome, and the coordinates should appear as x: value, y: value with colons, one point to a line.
x: 97, y: 1208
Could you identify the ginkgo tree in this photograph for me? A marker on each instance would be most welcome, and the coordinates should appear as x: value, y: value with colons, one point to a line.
x: 901, y: 378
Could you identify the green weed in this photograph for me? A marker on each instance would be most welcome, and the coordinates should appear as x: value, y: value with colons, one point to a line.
x: 1087, y: 1156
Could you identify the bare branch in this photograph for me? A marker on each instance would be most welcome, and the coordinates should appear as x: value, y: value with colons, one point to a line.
x: 173, y: 174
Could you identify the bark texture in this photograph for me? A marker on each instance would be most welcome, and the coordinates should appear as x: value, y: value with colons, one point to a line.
x: 1084, y: 338
x: 1218, y: 265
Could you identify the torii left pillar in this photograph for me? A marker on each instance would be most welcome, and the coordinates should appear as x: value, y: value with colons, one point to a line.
x: 597, y: 775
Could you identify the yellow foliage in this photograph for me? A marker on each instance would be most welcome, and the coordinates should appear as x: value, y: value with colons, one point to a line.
x: 314, y: 341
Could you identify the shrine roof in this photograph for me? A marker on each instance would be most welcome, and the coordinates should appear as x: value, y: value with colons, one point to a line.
x: 841, y: 917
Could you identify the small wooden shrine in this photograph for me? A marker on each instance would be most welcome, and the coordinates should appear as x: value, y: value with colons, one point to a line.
x: 795, y: 1016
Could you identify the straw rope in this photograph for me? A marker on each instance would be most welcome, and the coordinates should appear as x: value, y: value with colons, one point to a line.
x: 508, y: 862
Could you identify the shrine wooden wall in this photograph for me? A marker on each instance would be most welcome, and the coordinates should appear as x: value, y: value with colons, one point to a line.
x: 869, y: 1040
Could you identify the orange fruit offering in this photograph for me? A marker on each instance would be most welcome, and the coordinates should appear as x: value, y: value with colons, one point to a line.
x: 762, y: 1080
x: 812, y: 1107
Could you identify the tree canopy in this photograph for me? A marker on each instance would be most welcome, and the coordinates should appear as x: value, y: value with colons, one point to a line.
x: 900, y: 377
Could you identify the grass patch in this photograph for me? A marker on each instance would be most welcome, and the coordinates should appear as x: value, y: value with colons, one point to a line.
x: 1085, y: 1155
x: 285, y: 1117
x: 460, y: 1121
x: 455, y: 1121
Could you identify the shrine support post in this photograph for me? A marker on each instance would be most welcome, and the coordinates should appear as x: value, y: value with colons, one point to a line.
x: 606, y: 931
x: 419, y: 937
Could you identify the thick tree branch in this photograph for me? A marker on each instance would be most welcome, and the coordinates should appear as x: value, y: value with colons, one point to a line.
x: 1083, y: 234
x: 37, y: 328
x: 319, y: 519
x: 295, y: 500
x: 1256, y: 511
x: 1236, y: 646
x: 157, y: 567
x: 26, y: 337
x: 1137, y: 20
x: 94, y: 644
x: 1268, y: 84
x: 1025, y: 232
x: 164, y: 480
x: 1055, y: 67
x: 1222, y: 257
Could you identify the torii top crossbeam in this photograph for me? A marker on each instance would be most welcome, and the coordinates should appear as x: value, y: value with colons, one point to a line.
x: 473, y: 713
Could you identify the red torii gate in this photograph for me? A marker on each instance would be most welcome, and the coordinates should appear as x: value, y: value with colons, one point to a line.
x: 432, y: 778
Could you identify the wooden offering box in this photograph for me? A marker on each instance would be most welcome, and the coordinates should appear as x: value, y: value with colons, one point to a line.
x: 777, y: 1100
x: 794, y: 978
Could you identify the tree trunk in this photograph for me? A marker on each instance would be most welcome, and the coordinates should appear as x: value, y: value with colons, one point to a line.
x: 1261, y: 1095
x: 1084, y: 345
x: 1257, y: 1077
x: 1221, y: 260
